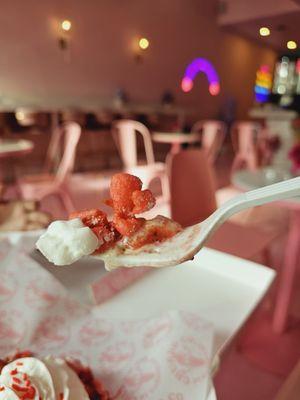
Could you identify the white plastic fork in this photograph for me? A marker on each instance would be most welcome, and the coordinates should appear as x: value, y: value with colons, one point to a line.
x: 187, y: 243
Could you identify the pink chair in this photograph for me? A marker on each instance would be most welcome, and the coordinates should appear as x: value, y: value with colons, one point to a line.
x: 245, y: 135
x: 212, y: 136
x: 244, y: 138
x: 37, y: 187
x: 125, y: 135
x: 192, y: 188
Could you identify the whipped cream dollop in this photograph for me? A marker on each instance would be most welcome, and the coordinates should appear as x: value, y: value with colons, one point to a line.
x: 65, y: 242
x: 51, y: 378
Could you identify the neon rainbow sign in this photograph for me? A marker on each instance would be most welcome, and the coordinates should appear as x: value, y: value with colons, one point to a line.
x: 193, y: 69
x: 263, y: 84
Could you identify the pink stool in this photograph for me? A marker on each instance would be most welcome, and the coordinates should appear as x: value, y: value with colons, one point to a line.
x: 192, y: 187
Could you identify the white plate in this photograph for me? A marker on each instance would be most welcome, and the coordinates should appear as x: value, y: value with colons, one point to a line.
x: 221, y: 288
x: 15, y: 236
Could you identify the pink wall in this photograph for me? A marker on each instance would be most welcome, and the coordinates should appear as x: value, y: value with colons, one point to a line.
x: 33, y: 69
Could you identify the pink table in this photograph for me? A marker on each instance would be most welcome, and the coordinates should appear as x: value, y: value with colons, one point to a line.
x: 175, y: 139
x: 248, y: 180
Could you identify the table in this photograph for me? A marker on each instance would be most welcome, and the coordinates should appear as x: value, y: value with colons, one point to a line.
x: 176, y: 139
x: 14, y: 148
x: 249, y: 180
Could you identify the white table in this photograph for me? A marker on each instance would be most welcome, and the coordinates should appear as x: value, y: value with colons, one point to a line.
x: 15, y: 147
x: 175, y: 139
x: 249, y: 180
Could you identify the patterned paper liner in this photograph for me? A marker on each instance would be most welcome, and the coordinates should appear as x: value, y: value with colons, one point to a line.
x: 162, y: 358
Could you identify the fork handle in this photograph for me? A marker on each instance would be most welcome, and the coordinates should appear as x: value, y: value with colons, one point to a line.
x: 278, y: 191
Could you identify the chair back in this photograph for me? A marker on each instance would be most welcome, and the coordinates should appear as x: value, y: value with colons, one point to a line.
x: 124, y: 133
x: 72, y: 132
x: 212, y: 136
x: 192, y: 186
x: 244, y: 136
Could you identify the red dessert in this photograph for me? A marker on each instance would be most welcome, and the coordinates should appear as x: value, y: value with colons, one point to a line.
x: 127, y: 200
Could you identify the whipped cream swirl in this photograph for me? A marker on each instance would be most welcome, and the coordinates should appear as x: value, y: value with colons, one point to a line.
x: 29, y: 378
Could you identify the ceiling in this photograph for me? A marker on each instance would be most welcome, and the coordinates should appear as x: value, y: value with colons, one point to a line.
x: 281, y: 17
x: 283, y: 28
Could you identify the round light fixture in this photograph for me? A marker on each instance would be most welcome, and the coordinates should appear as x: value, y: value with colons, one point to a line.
x: 291, y: 45
x: 264, y: 31
x: 144, y: 43
x: 20, y: 115
x: 66, y: 25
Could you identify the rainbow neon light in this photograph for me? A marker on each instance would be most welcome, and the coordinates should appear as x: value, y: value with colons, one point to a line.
x: 263, y: 84
x: 193, y: 69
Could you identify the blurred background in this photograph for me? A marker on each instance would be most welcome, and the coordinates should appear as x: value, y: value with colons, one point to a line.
x: 199, y: 98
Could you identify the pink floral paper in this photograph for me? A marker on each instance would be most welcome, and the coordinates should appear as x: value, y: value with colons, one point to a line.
x: 163, y: 358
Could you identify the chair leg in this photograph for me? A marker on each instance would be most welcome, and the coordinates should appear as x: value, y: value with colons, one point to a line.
x: 252, y: 162
x: 165, y: 186
x: 236, y: 165
x: 66, y: 200
x: 64, y: 197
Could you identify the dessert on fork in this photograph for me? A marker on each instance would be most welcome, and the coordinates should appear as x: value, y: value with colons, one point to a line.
x: 91, y: 232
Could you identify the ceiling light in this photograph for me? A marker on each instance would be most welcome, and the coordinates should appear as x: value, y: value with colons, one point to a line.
x: 66, y: 25
x: 291, y: 45
x: 264, y: 31
x: 144, y: 43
